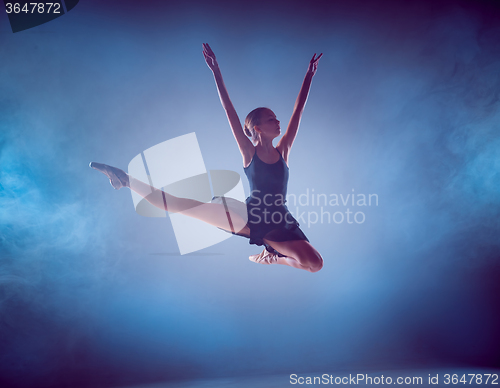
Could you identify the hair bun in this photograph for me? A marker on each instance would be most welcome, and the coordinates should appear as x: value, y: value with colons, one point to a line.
x: 247, y: 131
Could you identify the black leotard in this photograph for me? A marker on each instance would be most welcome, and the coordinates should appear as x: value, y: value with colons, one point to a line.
x: 268, y: 216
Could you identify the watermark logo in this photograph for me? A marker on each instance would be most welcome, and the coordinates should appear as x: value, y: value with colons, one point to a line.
x: 28, y: 14
x: 333, y: 208
x: 176, y: 166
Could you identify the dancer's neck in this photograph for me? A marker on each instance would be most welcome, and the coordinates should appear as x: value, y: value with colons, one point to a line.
x: 265, y: 147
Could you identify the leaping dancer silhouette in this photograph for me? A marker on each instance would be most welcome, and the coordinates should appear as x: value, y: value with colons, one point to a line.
x: 264, y: 218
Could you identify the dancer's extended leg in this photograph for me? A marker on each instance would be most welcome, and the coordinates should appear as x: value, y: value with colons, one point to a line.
x: 211, y: 213
x: 298, y: 254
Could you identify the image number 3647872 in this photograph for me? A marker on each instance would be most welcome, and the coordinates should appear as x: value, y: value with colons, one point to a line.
x: 24, y: 15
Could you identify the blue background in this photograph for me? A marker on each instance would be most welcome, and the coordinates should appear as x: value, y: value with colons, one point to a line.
x: 405, y: 105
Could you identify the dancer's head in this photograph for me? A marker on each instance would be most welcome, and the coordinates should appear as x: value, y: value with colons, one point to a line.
x: 261, y: 122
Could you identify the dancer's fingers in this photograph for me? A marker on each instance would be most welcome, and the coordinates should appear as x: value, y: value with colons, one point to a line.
x: 210, y: 49
x: 207, y: 54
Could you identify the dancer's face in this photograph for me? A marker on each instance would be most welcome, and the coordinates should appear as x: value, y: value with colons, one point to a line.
x: 269, y: 125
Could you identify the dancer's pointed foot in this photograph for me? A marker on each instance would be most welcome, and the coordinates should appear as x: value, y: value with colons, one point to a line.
x: 265, y: 257
x: 118, y: 178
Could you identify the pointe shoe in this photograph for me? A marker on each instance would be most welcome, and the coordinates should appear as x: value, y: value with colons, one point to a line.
x: 118, y: 178
x: 265, y: 257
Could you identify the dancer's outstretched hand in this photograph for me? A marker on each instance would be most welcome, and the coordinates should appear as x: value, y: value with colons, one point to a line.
x: 313, y: 65
x: 210, y: 57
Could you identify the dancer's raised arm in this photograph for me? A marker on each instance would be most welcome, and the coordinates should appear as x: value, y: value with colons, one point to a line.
x: 285, y: 144
x: 244, y: 143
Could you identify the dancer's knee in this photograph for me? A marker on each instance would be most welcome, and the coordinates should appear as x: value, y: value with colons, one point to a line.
x: 312, y: 260
x: 315, y: 263
x: 302, y: 252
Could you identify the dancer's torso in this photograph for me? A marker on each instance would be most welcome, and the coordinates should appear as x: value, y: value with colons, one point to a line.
x: 268, y: 216
x: 268, y: 182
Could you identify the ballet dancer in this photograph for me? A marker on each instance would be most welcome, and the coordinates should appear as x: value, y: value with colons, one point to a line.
x: 264, y: 219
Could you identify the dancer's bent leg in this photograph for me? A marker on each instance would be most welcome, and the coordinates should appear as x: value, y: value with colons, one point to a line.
x: 299, y: 254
